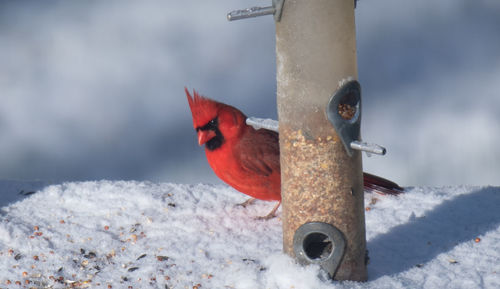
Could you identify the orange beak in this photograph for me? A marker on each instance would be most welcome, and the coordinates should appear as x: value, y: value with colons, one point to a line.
x: 205, y: 135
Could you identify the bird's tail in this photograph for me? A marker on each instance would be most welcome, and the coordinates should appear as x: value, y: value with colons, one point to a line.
x: 380, y: 185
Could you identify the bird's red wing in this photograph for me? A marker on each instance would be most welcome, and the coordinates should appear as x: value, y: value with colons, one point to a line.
x: 259, y: 153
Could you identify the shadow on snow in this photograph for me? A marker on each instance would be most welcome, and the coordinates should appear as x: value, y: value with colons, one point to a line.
x: 455, y: 221
x: 13, y: 191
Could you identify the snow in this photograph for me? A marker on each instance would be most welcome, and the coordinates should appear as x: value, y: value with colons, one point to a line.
x: 125, y: 234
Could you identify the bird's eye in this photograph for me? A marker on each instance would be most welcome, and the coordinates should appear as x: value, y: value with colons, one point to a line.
x: 211, y: 125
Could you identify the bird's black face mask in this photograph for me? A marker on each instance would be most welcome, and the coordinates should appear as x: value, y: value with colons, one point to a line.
x: 215, y: 142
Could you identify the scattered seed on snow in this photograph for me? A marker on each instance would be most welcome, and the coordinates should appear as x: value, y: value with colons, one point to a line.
x: 162, y: 258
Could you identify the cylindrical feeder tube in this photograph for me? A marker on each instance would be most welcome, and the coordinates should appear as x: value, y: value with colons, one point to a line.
x: 315, y: 50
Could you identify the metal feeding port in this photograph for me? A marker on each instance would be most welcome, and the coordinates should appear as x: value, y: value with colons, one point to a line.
x: 344, y: 112
x: 319, y: 243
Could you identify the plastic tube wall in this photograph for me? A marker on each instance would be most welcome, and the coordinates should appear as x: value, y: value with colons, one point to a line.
x: 316, y: 49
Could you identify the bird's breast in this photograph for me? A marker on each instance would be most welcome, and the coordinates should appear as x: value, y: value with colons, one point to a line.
x: 230, y: 170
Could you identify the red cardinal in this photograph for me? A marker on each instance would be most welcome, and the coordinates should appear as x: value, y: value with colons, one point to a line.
x: 248, y: 159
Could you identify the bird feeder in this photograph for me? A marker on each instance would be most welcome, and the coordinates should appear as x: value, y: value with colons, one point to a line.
x: 319, y: 109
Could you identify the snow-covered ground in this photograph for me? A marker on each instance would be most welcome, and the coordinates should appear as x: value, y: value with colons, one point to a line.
x: 109, y: 234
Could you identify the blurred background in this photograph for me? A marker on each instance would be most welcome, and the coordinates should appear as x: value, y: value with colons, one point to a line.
x: 94, y: 90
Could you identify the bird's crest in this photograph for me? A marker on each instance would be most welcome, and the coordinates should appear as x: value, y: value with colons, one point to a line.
x: 203, y: 109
